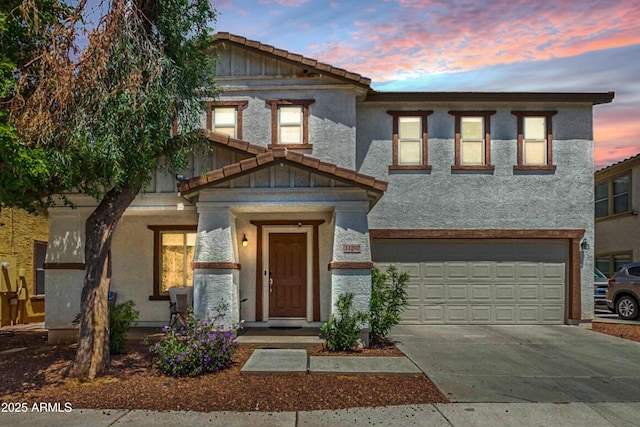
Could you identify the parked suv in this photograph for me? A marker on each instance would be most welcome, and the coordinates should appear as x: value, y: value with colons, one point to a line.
x: 600, y: 285
x: 623, y: 293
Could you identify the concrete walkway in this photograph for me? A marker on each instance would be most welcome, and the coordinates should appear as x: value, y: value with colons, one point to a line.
x: 283, y: 361
x: 438, y: 415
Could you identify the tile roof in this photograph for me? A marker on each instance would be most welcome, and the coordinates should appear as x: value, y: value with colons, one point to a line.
x: 263, y: 157
x: 295, y: 58
x: 595, y: 98
x: 619, y: 164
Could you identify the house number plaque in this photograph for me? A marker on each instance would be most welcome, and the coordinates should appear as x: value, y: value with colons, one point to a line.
x: 351, y: 249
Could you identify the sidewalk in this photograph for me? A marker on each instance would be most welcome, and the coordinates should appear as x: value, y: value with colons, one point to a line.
x: 438, y: 415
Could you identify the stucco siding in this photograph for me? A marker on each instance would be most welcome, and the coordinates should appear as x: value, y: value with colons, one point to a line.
x: 132, y: 263
x: 499, y: 199
x: 621, y: 233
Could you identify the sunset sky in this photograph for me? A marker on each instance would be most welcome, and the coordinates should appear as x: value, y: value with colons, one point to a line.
x: 469, y: 45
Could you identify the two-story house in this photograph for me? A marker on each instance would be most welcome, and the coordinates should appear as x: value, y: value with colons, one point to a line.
x: 617, y: 228
x: 484, y: 198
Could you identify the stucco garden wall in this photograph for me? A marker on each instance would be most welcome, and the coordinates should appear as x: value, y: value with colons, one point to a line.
x: 18, y: 232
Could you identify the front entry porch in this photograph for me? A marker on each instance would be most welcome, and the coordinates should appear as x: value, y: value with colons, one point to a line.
x: 266, y: 227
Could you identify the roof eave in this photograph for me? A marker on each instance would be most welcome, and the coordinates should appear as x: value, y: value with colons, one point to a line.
x: 294, y: 59
x: 595, y: 98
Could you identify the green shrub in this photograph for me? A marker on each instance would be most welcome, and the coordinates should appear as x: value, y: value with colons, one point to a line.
x: 121, y: 318
x: 195, y: 347
x: 342, y: 331
x: 388, y: 301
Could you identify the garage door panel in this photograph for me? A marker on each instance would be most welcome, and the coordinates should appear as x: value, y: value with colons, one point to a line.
x: 505, y: 270
x: 456, y: 314
x: 480, y: 314
x: 528, y: 292
x: 482, y: 282
x: 413, y: 269
x: 413, y: 293
x: 456, y: 270
x: 455, y: 292
x: 504, y: 292
x: 412, y: 314
x: 481, y: 292
x: 505, y: 314
x: 528, y: 314
x: 551, y: 314
x: 433, y: 271
x: 480, y: 271
x: 433, y: 292
x: 527, y: 271
x: 553, y: 272
x: 552, y: 293
x: 432, y: 313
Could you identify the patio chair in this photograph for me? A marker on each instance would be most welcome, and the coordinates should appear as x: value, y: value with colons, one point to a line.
x: 180, y: 300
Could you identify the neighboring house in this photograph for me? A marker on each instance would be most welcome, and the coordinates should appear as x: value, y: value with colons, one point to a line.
x: 484, y: 198
x: 23, y: 246
x: 617, y: 202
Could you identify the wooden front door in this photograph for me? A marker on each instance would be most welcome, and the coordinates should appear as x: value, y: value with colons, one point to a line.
x: 288, y: 275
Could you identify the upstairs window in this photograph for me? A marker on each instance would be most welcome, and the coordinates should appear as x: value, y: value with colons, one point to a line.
x: 225, y: 121
x: 410, y: 140
x: 472, y: 149
x: 612, y: 196
x: 535, y: 139
x: 290, y: 123
x: 226, y: 117
x: 472, y: 140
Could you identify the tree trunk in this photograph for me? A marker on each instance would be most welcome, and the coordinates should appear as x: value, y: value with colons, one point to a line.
x: 92, y: 356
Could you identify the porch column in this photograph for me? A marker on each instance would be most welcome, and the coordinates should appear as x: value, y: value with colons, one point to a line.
x: 64, y: 272
x: 215, y: 278
x: 351, y: 264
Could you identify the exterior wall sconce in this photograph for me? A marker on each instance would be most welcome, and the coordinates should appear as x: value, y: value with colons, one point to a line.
x: 584, y: 244
x: 245, y: 242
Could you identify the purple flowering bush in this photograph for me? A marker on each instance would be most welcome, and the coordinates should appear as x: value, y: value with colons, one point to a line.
x: 195, y: 347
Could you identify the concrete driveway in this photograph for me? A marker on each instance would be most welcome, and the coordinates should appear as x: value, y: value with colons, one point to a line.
x: 524, y: 363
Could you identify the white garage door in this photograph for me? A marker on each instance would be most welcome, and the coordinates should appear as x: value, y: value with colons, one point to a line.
x: 480, y: 282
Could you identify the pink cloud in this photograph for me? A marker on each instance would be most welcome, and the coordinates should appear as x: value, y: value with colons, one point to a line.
x: 615, y: 138
x: 470, y: 36
x: 287, y: 3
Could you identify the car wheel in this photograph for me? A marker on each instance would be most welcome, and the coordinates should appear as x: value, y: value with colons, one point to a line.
x: 627, y: 308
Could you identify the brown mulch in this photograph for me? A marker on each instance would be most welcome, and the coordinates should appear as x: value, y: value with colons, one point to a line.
x: 628, y: 332
x: 34, y: 375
